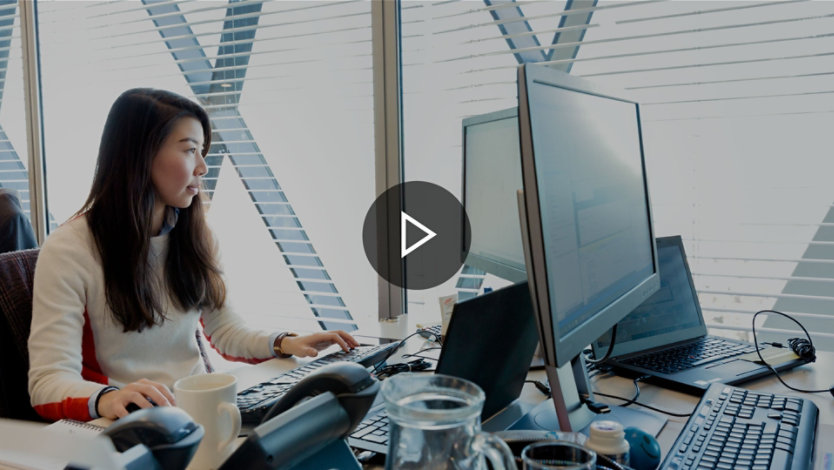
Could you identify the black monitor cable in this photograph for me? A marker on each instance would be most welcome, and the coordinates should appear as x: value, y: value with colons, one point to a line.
x: 803, y: 347
x: 628, y: 401
x: 430, y: 335
x: 633, y: 400
x: 600, y: 406
x: 609, y: 351
x: 670, y: 413
x: 428, y: 358
x: 392, y: 351
x: 542, y: 387
x: 420, y: 353
x: 410, y: 366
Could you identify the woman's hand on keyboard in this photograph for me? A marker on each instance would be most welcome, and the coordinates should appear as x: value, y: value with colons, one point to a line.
x: 310, y: 345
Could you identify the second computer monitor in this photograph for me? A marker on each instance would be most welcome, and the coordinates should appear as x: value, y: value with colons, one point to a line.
x: 491, y: 178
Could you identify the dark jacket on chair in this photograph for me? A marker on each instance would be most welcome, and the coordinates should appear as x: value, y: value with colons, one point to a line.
x: 17, y: 270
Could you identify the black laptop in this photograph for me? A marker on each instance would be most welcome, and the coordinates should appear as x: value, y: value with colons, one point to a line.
x: 490, y: 341
x: 666, y: 338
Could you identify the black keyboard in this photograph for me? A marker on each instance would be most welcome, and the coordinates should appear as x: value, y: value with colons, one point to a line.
x: 255, y: 401
x: 690, y: 355
x: 733, y: 428
x: 431, y: 333
x: 372, y: 432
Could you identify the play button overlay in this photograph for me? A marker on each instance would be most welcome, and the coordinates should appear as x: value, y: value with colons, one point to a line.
x: 406, y: 247
x: 416, y: 235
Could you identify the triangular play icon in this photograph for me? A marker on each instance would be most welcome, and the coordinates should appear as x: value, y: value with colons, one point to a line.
x: 405, y: 219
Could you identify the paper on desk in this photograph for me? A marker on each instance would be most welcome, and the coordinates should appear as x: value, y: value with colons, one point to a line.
x: 71, y: 426
x: 25, y: 445
x: 773, y: 356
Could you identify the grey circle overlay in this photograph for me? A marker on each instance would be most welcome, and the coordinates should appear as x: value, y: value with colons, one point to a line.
x: 422, y: 208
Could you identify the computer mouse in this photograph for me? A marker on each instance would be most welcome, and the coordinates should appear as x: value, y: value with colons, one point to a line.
x: 131, y: 407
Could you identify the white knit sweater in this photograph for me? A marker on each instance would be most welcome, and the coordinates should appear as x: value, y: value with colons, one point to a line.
x: 76, y: 347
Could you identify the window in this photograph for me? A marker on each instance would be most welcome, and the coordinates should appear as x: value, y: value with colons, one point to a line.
x: 441, y: 86
x: 14, y: 165
x: 737, y: 111
x: 289, y: 92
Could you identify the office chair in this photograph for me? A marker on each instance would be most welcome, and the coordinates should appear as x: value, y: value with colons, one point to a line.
x: 17, y: 271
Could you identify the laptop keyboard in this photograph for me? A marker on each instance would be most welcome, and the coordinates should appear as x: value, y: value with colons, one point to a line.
x: 687, y: 356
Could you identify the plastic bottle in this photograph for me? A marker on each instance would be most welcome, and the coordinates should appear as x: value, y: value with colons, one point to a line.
x: 608, y: 438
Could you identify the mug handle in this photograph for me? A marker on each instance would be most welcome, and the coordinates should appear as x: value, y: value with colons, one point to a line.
x: 495, y: 449
x: 234, y: 415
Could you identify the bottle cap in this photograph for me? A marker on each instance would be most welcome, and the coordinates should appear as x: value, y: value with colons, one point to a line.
x: 608, y: 438
x: 607, y: 429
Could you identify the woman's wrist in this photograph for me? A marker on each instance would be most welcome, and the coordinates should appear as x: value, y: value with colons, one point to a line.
x: 101, y: 393
x: 279, y: 347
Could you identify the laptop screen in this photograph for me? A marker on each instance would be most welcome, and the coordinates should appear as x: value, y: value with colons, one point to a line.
x: 490, y: 341
x: 672, y: 314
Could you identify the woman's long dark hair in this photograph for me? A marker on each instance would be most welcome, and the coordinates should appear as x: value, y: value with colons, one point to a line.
x: 119, y: 208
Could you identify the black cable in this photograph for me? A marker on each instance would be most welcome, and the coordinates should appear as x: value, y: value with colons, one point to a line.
x: 610, y: 348
x: 430, y: 348
x: 804, y: 348
x: 541, y: 386
x: 418, y: 353
x: 392, y: 351
x: 428, y: 331
x: 411, y: 366
x: 633, y: 400
x: 546, y: 390
x: 678, y: 415
x: 598, y: 368
x: 429, y: 358
x: 637, y: 391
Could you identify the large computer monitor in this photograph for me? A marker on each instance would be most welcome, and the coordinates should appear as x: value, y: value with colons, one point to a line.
x: 587, y: 227
x: 491, y: 179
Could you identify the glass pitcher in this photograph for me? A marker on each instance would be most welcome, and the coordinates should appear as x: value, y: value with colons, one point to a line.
x: 435, y: 423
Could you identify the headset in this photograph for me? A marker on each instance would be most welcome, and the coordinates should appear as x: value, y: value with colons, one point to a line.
x: 803, y: 347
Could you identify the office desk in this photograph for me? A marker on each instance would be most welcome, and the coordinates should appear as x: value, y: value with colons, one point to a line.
x: 817, y: 375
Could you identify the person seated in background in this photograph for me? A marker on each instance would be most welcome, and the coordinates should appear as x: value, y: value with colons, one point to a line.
x: 121, y: 287
x: 15, y: 229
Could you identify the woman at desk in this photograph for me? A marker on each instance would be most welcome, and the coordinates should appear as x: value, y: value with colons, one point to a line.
x: 121, y: 287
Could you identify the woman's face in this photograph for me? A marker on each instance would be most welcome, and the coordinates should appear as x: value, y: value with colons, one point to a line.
x: 177, y: 169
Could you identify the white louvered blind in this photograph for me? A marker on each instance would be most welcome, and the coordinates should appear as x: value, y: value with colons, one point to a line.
x: 288, y: 87
x: 14, y: 164
x: 737, y: 108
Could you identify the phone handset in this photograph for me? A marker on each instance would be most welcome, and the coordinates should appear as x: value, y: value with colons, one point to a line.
x: 352, y: 384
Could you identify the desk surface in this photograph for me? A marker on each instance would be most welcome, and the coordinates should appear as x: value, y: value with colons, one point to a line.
x: 817, y: 375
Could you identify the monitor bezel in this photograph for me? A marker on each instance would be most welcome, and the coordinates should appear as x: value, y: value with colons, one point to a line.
x: 491, y: 265
x: 562, y: 348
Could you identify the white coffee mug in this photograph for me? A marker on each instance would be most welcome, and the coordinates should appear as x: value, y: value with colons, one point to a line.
x: 210, y: 399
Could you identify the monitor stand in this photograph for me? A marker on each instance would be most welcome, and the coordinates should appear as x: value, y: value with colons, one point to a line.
x: 567, y: 411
